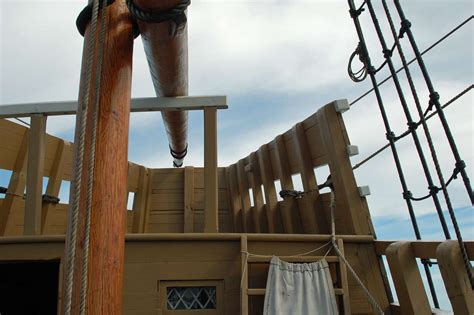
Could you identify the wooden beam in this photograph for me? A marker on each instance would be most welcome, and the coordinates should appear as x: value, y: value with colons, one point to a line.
x: 244, y: 298
x: 287, y: 206
x: 16, y: 186
x: 346, y: 301
x: 455, y: 277
x: 211, y: 218
x: 266, y: 174
x: 258, y: 209
x: 234, y: 199
x: 422, y: 249
x: 34, y: 176
x: 54, y: 184
x: 140, y: 201
x: 188, y: 199
x: 407, y: 279
x: 309, y: 201
x: 107, y: 217
x: 244, y: 196
x: 146, y: 104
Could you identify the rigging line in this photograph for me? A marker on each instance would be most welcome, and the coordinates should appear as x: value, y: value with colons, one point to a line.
x: 414, y: 59
x: 434, y: 97
x: 77, y: 180
x: 91, y: 165
x: 451, y: 101
x: 22, y: 121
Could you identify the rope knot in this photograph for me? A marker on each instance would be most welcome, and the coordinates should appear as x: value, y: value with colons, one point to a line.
x: 387, y: 53
x: 460, y: 165
x: 433, y: 190
x: 356, y: 12
x: 292, y: 194
x: 405, y: 27
x: 390, y: 136
x: 50, y: 199
x: 412, y: 126
x: 407, y: 195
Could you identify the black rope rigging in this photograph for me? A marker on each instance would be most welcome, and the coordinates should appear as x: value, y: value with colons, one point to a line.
x: 176, y: 15
x: 439, y: 41
x: 21, y: 121
x: 45, y: 198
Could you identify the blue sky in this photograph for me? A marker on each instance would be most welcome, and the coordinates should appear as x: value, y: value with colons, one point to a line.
x: 278, y: 62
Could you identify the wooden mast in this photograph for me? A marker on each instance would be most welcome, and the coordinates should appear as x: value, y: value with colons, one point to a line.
x: 167, y: 54
x: 107, y: 221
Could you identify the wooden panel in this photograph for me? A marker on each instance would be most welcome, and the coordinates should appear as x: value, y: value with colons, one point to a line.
x: 259, y: 217
x: 244, y: 196
x: 456, y: 280
x: 234, y: 199
x: 16, y: 187
x: 189, y: 199
x: 54, y: 184
x: 406, y: 277
x: 271, y: 207
x: 140, y: 200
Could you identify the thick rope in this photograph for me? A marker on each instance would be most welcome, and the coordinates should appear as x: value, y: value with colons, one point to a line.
x: 91, y: 165
x: 84, y: 102
x: 369, y: 296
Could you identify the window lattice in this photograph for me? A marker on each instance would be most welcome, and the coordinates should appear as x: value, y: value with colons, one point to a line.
x: 191, y: 298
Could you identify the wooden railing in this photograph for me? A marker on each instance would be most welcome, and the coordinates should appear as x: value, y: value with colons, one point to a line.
x: 412, y: 297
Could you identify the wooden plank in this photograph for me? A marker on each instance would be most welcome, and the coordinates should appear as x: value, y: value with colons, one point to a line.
x: 244, y: 298
x: 456, y: 280
x: 407, y: 279
x: 309, y: 201
x: 234, y: 199
x: 54, y: 185
x: 188, y: 199
x: 423, y: 249
x: 286, y: 207
x: 346, y: 301
x: 16, y: 186
x: 259, y: 218
x: 292, y: 259
x: 272, y: 206
x: 140, y: 201
x: 349, y: 204
x: 34, y: 176
x: 244, y: 196
x: 261, y: 291
x: 211, y: 223
x: 145, y: 104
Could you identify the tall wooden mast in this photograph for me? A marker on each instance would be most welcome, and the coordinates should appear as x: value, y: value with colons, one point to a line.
x: 107, y: 219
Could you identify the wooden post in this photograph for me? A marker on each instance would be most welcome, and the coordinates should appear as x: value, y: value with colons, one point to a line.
x: 242, y: 180
x: 140, y: 201
x: 54, y: 184
x: 34, y: 176
x: 244, y: 298
x: 16, y: 186
x: 188, y: 199
x: 211, y: 217
x: 455, y: 277
x: 234, y: 198
x: 407, y: 279
x: 107, y: 228
x: 259, y: 215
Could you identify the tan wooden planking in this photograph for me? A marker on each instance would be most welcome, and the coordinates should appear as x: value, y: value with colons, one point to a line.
x: 188, y: 199
x: 307, y: 208
x: 54, y: 185
x: 272, y: 207
x: 407, y: 279
x: 140, y: 201
x: 259, y: 215
x: 211, y: 224
x: 455, y: 278
x: 15, y: 186
x: 234, y: 199
x: 244, y: 196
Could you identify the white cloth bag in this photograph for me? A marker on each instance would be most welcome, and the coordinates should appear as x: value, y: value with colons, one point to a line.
x: 299, y: 289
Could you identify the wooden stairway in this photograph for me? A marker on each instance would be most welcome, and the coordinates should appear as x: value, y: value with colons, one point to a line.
x: 336, y: 265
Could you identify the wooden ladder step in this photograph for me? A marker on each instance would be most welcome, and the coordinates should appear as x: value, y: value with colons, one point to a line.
x: 293, y: 259
x: 261, y: 291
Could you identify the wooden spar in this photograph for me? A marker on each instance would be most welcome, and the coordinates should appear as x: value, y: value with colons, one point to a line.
x: 107, y: 228
x: 167, y: 56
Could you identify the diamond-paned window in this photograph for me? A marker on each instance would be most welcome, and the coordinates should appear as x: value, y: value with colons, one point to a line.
x: 191, y: 298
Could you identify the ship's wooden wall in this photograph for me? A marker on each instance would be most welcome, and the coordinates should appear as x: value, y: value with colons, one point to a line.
x: 170, y: 210
x: 57, y: 168
x: 320, y: 141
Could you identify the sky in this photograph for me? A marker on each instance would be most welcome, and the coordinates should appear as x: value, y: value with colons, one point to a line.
x: 277, y: 62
